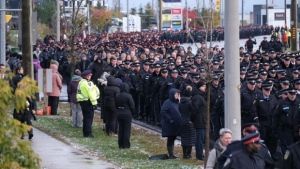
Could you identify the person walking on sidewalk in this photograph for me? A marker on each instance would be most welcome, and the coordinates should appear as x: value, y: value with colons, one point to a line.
x: 87, y: 95
x: 75, y: 106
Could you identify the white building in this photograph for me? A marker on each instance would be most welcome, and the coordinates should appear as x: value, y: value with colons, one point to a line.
x: 67, y: 7
x: 276, y: 16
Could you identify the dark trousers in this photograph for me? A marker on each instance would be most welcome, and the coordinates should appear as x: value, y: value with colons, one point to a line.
x: 124, y: 130
x: 111, y: 124
x: 266, y: 134
x: 200, y: 141
x: 53, y: 103
x: 88, y: 116
x: 170, y: 145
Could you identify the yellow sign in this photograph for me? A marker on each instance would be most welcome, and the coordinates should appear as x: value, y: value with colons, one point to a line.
x: 218, y: 5
x: 8, y: 18
x: 166, y: 17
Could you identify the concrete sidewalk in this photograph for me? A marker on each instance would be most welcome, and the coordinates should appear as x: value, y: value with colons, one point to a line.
x: 58, y: 155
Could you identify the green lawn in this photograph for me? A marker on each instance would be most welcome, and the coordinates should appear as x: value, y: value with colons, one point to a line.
x: 143, y: 144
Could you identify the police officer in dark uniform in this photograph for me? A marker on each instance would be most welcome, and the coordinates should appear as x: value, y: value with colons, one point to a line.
x: 154, y: 83
x: 292, y: 157
x: 246, y: 157
x: 287, y: 119
x: 136, y: 90
x: 145, y: 106
x: 265, y: 108
x: 236, y: 146
x: 264, y: 45
x: 248, y: 97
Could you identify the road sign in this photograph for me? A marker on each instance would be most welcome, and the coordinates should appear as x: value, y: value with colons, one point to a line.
x: 8, y: 18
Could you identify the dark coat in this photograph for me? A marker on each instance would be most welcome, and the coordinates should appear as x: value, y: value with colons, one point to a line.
x: 188, y: 132
x: 292, y: 156
x: 200, y: 107
x: 245, y: 160
x: 98, y: 69
x: 124, y: 101
x: 72, y: 88
x: 109, y: 94
x: 170, y: 116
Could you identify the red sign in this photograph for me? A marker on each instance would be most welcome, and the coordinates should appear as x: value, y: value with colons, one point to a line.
x: 176, y: 11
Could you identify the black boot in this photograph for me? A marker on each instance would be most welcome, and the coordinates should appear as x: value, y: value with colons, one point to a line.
x: 184, y: 152
x: 30, y: 134
x: 171, y: 152
x: 188, y: 152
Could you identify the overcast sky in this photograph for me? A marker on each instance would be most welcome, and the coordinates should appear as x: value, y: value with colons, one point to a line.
x: 192, y: 3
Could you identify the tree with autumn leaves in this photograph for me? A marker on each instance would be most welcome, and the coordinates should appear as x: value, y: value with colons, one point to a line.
x: 101, y: 19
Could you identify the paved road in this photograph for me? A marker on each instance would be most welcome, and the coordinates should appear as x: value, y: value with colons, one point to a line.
x: 58, y: 155
x: 222, y: 43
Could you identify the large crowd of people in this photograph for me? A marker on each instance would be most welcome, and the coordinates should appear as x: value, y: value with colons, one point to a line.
x: 150, y: 77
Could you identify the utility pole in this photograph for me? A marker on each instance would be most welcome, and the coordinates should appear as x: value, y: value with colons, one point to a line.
x: 160, y: 15
x: 211, y: 22
x: 232, y: 69
x: 27, y: 37
x: 186, y: 16
x: 267, y: 12
x: 58, y: 20
x: 285, y: 14
x: 294, y: 21
x: 127, y: 16
x: 2, y: 33
x: 242, y: 13
x: 88, y: 16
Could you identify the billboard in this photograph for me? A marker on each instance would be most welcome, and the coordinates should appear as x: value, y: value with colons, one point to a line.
x: 134, y: 23
x: 172, y: 1
x: 279, y: 16
x: 172, y: 18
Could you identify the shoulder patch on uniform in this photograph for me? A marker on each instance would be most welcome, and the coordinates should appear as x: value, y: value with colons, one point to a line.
x: 287, y: 154
x: 227, y: 162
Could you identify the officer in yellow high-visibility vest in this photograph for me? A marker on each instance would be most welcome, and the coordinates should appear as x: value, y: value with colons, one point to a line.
x: 87, y: 95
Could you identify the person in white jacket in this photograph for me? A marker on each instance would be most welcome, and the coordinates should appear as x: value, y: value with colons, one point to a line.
x: 219, y: 147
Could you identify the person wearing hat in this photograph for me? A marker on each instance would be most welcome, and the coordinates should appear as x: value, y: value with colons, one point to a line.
x: 188, y: 132
x: 236, y: 146
x: 265, y: 108
x: 136, y: 89
x: 284, y: 83
x: 264, y: 45
x: 225, y: 138
x: 297, y: 86
x: 171, y: 120
x: 155, y: 85
x: 87, y: 95
x: 287, y: 119
x: 199, y: 105
x: 249, y: 45
x: 291, y: 157
x: 247, y: 156
x: 215, y: 92
x: 248, y: 96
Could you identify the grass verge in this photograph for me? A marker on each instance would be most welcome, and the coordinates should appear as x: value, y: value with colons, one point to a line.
x: 143, y: 144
